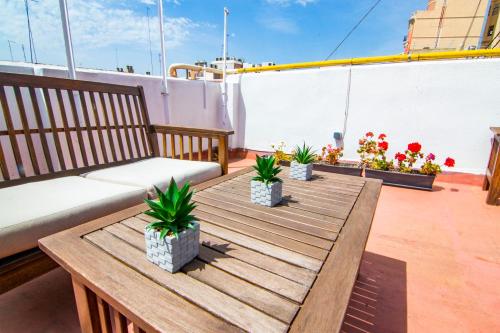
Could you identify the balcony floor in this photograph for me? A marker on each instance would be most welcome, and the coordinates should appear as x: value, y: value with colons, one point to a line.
x: 432, y: 264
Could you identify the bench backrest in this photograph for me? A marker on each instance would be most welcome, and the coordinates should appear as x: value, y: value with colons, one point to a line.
x: 53, y: 127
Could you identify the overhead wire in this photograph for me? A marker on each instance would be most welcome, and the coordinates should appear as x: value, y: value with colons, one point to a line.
x: 354, y: 28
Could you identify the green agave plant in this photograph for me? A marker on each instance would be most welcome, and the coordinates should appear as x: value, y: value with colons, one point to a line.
x: 304, y: 154
x: 173, y: 210
x: 266, y: 170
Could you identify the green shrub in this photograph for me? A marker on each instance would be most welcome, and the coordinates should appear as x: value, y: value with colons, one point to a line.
x: 266, y: 171
x: 173, y: 210
x: 304, y: 154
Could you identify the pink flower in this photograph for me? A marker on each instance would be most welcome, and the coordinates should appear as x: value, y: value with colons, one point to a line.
x: 430, y: 157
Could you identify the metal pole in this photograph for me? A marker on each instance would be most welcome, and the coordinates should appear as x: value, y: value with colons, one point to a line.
x: 24, y: 52
x: 150, y: 47
x: 162, y: 44
x: 63, y: 7
x: 224, y: 65
x: 10, y: 49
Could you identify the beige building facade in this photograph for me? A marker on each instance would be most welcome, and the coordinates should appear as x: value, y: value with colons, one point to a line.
x: 446, y: 25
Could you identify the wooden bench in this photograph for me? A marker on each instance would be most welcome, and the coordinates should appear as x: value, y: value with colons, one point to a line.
x: 55, y: 127
x: 492, y: 177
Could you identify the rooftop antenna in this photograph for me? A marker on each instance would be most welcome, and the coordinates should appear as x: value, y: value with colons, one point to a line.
x: 30, y: 33
x: 150, y: 48
x: 10, y: 48
x: 24, y: 52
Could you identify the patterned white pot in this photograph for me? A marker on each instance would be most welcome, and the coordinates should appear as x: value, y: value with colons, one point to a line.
x: 266, y: 195
x: 172, y: 253
x: 301, y: 171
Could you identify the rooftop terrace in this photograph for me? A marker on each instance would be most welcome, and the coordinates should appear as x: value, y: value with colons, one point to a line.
x: 432, y: 260
x: 431, y: 264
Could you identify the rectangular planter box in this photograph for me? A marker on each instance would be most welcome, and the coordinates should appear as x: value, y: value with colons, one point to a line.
x: 172, y: 253
x: 407, y: 180
x: 344, y: 169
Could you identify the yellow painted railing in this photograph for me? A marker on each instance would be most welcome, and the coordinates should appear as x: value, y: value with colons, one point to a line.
x: 374, y: 60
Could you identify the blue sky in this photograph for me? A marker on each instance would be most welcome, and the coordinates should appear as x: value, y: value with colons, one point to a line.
x: 260, y: 30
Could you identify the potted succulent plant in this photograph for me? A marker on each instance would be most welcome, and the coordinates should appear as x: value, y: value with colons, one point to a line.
x: 403, y: 173
x: 302, y: 163
x: 266, y: 188
x: 173, y: 240
x: 329, y: 161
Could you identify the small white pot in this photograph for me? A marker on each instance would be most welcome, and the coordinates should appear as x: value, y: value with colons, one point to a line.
x: 301, y: 171
x: 266, y: 195
x: 172, y: 253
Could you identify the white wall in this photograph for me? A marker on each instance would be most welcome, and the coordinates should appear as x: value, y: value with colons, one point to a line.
x: 448, y: 106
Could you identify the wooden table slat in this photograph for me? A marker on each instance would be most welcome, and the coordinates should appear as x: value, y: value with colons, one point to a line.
x: 282, y: 268
x: 270, y: 227
x: 325, y: 229
x: 258, y: 297
x: 193, y: 290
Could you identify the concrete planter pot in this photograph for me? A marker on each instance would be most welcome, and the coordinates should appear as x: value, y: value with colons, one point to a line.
x: 301, y: 171
x: 408, y: 180
x: 172, y: 253
x: 266, y: 195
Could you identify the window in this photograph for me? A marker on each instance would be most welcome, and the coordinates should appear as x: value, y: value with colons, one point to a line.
x: 491, y: 29
x: 495, y: 9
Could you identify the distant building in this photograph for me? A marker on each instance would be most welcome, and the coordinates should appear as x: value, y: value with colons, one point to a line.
x: 231, y: 63
x: 491, y: 35
x: 446, y: 25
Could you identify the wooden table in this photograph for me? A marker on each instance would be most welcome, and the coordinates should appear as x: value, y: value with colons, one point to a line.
x: 287, y: 268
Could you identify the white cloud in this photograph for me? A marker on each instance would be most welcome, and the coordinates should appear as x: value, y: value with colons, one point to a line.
x: 304, y: 2
x: 94, y: 24
x: 280, y: 24
x: 154, y: 2
x: 285, y: 3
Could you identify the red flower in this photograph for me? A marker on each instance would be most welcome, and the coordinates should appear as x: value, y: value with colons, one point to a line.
x: 400, y: 157
x: 382, y: 136
x: 430, y: 157
x: 369, y: 134
x: 383, y: 145
x: 362, y: 141
x: 449, y: 162
x: 414, y: 147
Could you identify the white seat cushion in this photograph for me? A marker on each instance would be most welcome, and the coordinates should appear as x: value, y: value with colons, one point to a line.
x: 34, y: 210
x: 158, y: 172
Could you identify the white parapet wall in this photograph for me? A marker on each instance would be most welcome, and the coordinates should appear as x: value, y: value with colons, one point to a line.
x: 447, y: 106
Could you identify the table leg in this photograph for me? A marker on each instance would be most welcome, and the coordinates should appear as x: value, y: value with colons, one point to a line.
x: 87, y: 310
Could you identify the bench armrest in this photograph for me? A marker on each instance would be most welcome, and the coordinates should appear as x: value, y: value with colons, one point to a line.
x: 165, y: 131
